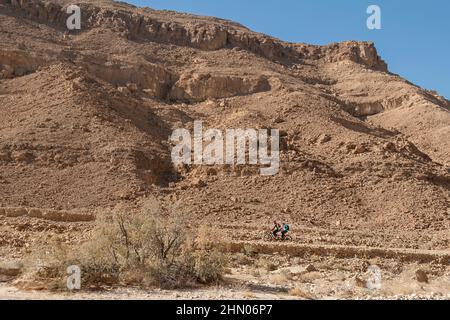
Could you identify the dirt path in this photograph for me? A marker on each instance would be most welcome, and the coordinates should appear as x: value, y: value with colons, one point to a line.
x: 299, y: 250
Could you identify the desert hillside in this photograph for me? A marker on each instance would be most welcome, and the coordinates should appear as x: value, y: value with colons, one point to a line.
x: 87, y: 115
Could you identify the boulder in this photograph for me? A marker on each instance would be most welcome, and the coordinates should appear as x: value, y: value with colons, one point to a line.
x: 360, y: 148
x: 323, y: 138
x: 421, y: 276
x: 132, y: 87
x: 310, y: 268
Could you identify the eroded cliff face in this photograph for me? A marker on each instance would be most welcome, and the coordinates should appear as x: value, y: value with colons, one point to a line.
x: 161, y: 81
x: 204, y: 35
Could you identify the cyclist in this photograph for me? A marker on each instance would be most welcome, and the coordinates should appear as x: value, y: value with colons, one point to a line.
x: 276, y: 229
x: 284, y: 231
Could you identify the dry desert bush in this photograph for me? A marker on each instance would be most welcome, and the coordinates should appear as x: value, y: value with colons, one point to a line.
x: 153, y: 247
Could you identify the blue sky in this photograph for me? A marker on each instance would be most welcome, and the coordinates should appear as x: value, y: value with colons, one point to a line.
x: 414, y: 39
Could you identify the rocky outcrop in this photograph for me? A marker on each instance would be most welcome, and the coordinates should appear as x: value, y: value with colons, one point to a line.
x: 202, y: 86
x: 160, y: 83
x: 363, y: 53
x: 15, y: 63
x: 364, y: 109
x: 155, y: 80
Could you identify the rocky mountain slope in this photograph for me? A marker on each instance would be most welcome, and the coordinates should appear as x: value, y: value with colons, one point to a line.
x: 86, y: 117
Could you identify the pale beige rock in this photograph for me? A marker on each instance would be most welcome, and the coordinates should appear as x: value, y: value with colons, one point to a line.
x: 132, y: 87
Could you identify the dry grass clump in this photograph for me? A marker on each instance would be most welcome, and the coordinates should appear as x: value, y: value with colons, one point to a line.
x: 150, y: 248
x: 241, y: 259
x: 250, y: 250
x: 279, y: 279
x: 266, y: 264
x: 300, y: 293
